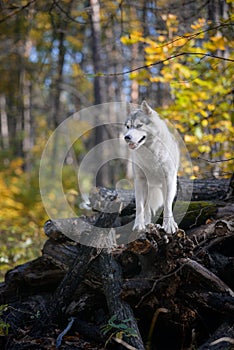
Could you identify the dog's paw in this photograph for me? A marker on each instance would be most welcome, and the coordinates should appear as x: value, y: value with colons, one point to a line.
x: 138, y: 226
x: 169, y: 225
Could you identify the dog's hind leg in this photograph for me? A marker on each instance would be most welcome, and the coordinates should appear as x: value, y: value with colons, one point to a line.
x: 153, y: 203
x: 147, y: 215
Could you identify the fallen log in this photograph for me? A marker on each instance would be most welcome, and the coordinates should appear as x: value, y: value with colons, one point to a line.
x: 205, y: 276
x: 187, y: 214
x: 64, y: 293
x: 221, y: 339
x: 119, y: 310
x: 204, y: 189
x: 109, y: 200
x: 118, y: 293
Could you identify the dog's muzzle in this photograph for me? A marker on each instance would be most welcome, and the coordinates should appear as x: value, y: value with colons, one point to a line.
x: 132, y: 144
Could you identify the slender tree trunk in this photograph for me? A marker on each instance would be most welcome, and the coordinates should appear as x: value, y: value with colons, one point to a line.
x: 99, y: 83
x: 57, y: 81
x: 27, y: 120
x: 4, y: 122
x: 56, y: 89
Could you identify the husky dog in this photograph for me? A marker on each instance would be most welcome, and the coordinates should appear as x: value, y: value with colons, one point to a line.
x: 155, y: 159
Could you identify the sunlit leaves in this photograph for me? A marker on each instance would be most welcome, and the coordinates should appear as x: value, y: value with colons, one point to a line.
x: 199, y: 24
x: 201, y: 87
x: 132, y: 38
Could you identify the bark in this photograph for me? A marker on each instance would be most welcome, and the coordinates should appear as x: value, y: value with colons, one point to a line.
x: 112, y: 283
x: 4, y: 122
x: 203, y: 207
x: 99, y: 83
x: 174, y: 294
x: 64, y: 293
x: 201, y: 190
x: 222, y: 338
x: 58, y: 78
x: 27, y: 118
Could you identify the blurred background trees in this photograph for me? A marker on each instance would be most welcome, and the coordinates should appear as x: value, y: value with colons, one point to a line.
x: 58, y: 57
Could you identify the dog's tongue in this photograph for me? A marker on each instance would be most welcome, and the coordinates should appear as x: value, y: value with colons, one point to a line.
x: 132, y: 145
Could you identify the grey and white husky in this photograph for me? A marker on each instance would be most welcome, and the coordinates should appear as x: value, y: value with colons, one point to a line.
x: 155, y: 158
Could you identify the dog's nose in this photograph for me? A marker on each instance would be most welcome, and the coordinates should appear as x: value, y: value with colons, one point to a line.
x: 127, y: 138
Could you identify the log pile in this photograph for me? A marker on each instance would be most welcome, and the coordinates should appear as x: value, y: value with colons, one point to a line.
x: 152, y: 293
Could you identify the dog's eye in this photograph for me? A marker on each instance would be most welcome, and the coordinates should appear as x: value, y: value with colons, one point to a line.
x: 139, y: 126
x: 127, y: 126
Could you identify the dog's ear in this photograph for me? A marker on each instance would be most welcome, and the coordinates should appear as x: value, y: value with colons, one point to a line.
x: 146, y: 108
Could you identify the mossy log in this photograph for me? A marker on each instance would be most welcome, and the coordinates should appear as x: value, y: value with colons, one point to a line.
x: 187, y: 214
x: 194, y: 214
x: 116, y: 200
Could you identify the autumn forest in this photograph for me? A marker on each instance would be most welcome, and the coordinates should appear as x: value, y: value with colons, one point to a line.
x: 58, y: 57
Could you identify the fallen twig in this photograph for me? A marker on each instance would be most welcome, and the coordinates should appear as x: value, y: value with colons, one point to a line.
x: 64, y: 332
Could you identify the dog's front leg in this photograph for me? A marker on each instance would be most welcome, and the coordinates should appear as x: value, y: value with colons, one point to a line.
x: 169, y: 224
x: 140, y: 187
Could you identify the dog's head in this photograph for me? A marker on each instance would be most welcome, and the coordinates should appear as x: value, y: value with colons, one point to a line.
x: 137, y: 125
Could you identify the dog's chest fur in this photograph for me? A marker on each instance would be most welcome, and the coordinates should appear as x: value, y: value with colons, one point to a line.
x: 149, y: 164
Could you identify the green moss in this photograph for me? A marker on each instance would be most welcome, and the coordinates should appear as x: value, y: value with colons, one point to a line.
x: 189, y: 215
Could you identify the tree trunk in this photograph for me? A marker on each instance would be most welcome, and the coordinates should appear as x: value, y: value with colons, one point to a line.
x: 99, y: 82
x: 27, y: 120
x: 4, y: 122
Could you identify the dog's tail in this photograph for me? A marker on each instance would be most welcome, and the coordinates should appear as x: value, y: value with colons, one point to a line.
x: 155, y: 199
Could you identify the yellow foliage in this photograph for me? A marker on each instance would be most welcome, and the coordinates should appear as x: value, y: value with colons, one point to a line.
x: 204, y: 148
x: 22, y: 215
x: 153, y: 49
x: 200, y: 23
x: 180, y: 41
x: 204, y: 122
x: 189, y: 138
x: 219, y: 42
x: 211, y: 107
x: 203, y: 113
x: 201, y: 86
x: 157, y: 79
x: 161, y: 38
x: 142, y: 76
x: 132, y: 38
x: 76, y: 42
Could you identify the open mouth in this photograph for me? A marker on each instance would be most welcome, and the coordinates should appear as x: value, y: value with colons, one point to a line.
x: 133, y: 145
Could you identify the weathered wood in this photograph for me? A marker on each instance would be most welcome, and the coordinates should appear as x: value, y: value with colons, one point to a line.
x: 37, y: 275
x: 112, y: 283
x: 218, y: 302
x: 95, y: 233
x: 203, y: 189
x: 191, y: 276
x: 205, y: 276
x: 221, y: 339
x: 123, y: 201
x: 187, y: 214
x: 66, y: 289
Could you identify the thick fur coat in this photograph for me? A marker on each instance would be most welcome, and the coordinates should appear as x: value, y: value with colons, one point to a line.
x: 155, y: 157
